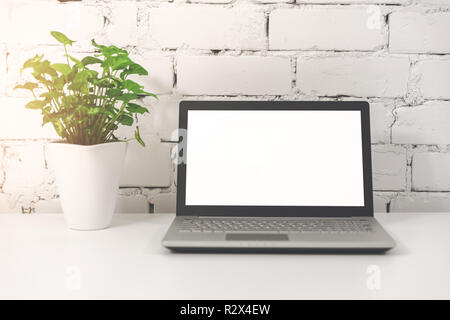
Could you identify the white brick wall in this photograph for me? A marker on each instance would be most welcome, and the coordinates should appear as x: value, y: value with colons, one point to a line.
x: 4, y: 23
x: 202, y: 27
x: 211, y: 1
x: 147, y: 167
x: 17, y: 122
x: 442, y: 3
x: 318, y: 28
x: 3, y: 70
x: 160, y: 122
x: 353, y: 76
x: 18, y: 54
x: 381, y: 119
x: 419, y: 32
x: 431, y: 171
x: 160, y: 78
x: 393, y: 53
x: 389, y: 168
x: 358, y: 1
x: 8, y: 204
x: 132, y: 204
x: 25, y: 175
x: 32, y: 21
x: 425, y: 124
x: 434, y: 78
x: 48, y: 206
x: 225, y: 75
x: 382, y: 201
x: 164, y: 203
x: 122, y: 27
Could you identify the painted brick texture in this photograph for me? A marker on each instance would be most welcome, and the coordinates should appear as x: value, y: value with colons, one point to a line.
x: 435, y: 77
x: 321, y: 28
x: 429, y: 30
x: 393, y: 53
x: 208, y: 27
x: 246, y: 75
x: 353, y: 76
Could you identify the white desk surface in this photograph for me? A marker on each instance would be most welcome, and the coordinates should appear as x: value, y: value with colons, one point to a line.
x: 41, y: 258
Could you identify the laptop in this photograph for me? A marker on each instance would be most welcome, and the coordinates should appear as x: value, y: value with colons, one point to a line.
x: 275, y: 176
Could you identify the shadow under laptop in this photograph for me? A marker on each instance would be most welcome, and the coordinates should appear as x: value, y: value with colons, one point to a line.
x: 278, y: 251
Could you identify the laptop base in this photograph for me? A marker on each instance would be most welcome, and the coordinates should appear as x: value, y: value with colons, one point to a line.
x: 375, y: 241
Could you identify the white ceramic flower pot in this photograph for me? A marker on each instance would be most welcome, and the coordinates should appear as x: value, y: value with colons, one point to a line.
x: 87, y: 178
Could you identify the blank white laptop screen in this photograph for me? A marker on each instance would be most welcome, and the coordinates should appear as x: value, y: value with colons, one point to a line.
x: 274, y: 158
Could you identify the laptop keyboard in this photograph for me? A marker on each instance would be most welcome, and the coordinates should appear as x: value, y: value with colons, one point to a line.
x: 307, y: 225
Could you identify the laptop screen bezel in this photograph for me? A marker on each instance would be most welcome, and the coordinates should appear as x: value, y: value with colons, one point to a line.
x: 276, y: 211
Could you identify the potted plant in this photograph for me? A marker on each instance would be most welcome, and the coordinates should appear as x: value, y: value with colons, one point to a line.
x: 86, y: 101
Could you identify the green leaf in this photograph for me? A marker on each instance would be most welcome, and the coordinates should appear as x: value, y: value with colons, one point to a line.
x: 113, y: 50
x: 58, y: 127
x: 90, y: 60
x: 135, y: 108
x: 49, y: 95
x: 43, y: 67
x: 46, y: 119
x: 98, y: 46
x: 103, y: 83
x: 134, y: 68
x: 119, y: 62
x: 81, y: 77
x: 27, y: 86
x: 82, y: 108
x: 114, y: 92
x: 95, y: 110
x: 62, y: 38
x: 108, y: 51
x: 127, y: 97
x: 95, y: 44
x: 137, y: 136
x: 145, y: 93
x: 125, y: 120
x: 31, y: 62
x: 138, y: 69
x: 77, y: 62
x: 110, y: 110
x: 132, y: 86
x: 80, y: 83
x: 61, y: 68
x: 93, y: 73
x: 36, y: 104
x: 60, y: 82
x: 69, y: 118
x: 41, y: 78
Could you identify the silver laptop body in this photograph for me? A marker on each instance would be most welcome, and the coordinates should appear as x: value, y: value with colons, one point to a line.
x: 275, y: 176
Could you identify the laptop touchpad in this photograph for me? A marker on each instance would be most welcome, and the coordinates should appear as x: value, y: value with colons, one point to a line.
x: 256, y: 237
